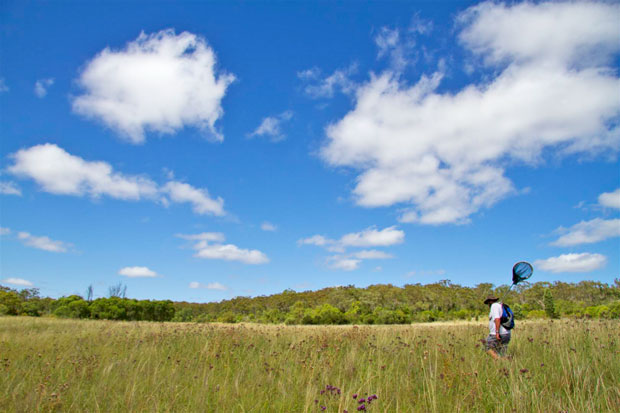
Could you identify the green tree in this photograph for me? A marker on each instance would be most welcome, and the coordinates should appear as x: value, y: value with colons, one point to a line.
x: 549, y: 304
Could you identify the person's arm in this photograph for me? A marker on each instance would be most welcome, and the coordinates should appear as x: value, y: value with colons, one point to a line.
x: 497, y: 322
x: 497, y: 314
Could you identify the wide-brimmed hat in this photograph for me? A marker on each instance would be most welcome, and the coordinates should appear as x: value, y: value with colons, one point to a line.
x: 491, y: 299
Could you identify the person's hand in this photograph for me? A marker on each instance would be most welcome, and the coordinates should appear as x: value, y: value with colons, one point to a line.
x: 497, y: 336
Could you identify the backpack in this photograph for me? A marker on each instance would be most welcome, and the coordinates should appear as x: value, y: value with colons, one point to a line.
x: 508, y: 319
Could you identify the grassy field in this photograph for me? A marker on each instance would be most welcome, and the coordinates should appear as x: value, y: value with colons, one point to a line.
x: 100, y: 366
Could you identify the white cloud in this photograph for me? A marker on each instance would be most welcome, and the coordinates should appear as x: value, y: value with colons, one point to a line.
x: 554, y: 32
x: 3, y: 87
x: 42, y: 243
x: 230, y: 252
x: 610, y: 199
x: 268, y: 226
x: 371, y: 237
x: 5, y: 231
x: 9, y: 188
x: 18, y: 281
x: 371, y: 255
x: 339, y: 262
x: 210, y: 286
x: 204, y: 236
x: 209, y: 246
x: 326, y: 87
x: 588, y: 232
x: 58, y: 172
x: 137, y: 272
x: 271, y: 126
x: 584, y: 262
x: 41, y: 86
x: 160, y: 82
x: 317, y: 240
x: 443, y: 154
x: 398, y: 48
x: 201, y: 202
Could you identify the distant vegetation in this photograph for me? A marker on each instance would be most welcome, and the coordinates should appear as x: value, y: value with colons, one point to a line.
x: 376, y: 304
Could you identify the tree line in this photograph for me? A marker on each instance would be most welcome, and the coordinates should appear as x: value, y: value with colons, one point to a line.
x: 376, y: 304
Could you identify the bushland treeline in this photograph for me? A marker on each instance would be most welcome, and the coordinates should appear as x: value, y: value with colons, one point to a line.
x: 376, y: 304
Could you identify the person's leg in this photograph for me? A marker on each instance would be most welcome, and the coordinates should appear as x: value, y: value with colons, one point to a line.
x: 492, y: 347
x: 503, y: 344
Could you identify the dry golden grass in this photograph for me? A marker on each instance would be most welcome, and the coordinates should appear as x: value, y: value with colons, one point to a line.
x: 100, y: 366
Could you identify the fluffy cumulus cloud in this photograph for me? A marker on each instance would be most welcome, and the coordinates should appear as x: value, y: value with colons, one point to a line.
x: 209, y: 245
x: 137, y: 272
x: 442, y: 155
x: 370, y: 237
x: 42, y: 242
x: 58, y: 172
x: 41, y: 86
x: 583, y: 262
x: 160, y: 82
x: 270, y: 126
x: 9, y: 188
x: 18, y: 281
x: 588, y: 232
x: 5, y: 231
x: 209, y: 286
x: 610, y: 199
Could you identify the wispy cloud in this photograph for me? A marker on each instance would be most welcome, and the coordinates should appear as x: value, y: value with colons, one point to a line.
x: 370, y: 237
x: 42, y: 242
x: 41, y: 86
x: 18, y: 281
x: 271, y: 126
x: 325, y: 87
x: 137, y: 272
x: 268, y: 226
x: 583, y: 262
x: 209, y: 286
x: 10, y: 188
x: 588, y: 232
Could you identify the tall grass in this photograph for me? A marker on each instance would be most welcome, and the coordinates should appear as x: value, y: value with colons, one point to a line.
x: 103, y: 366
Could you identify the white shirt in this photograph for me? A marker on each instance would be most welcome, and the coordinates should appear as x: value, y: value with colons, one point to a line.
x: 496, y: 312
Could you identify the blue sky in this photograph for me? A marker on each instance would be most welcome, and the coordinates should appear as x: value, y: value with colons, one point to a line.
x: 201, y: 151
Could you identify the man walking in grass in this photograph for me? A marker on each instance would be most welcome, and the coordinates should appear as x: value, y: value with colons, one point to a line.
x: 499, y: 337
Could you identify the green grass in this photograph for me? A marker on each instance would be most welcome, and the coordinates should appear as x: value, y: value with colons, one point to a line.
x: 103, y: 366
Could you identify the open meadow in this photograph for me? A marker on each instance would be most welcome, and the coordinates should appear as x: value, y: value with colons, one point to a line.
x: 70, y: 365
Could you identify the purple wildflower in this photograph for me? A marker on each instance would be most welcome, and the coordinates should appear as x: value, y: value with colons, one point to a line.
x: 361, y: 407
x: 355, y: 396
